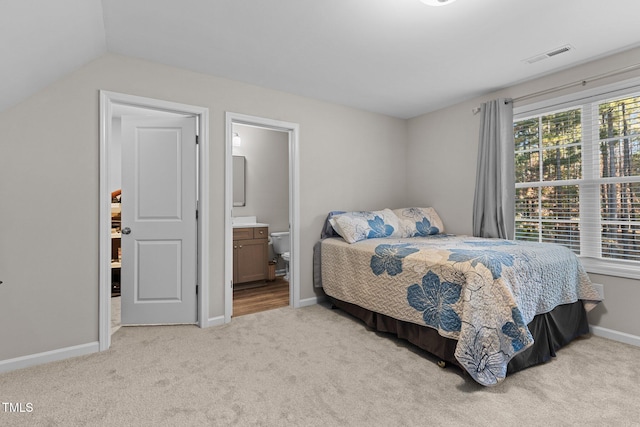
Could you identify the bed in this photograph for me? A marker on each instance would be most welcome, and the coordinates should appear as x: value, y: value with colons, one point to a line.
x: 489, y: 306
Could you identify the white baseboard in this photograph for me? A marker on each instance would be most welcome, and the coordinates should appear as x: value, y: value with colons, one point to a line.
x: 215, y: 321
x: 311, y: 301
x: 48, y: 356
x: 615, y: 335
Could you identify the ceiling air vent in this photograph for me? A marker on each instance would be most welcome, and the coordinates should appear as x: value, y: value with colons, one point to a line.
x: 549, y: 54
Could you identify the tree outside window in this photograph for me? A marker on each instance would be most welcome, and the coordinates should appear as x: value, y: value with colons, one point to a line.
x: 578, y: 178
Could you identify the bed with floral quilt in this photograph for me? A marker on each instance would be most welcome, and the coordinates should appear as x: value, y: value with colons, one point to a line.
x: 478, y: 303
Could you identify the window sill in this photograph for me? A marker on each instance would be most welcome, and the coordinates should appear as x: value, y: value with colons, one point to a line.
x: 626, y: 269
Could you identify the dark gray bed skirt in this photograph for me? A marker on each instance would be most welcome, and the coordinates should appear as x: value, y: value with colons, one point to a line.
x: 551, y: 331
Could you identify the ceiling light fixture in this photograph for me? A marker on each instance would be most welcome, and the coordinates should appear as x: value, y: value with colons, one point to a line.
x: 437, y: 2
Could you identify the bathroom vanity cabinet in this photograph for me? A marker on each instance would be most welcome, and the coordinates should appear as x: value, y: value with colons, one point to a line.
x: 250, y: 253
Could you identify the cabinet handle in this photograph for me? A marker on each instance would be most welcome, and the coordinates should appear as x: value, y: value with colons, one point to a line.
x: 240, y: 246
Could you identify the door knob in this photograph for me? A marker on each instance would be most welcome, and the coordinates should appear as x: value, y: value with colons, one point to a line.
x: 126, y: 230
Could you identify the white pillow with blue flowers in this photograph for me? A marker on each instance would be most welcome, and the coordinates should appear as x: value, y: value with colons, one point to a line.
x: 356, y: 226
x: 419, y: 222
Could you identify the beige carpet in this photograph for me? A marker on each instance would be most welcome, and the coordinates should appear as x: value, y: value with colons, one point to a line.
x: 313, y: 366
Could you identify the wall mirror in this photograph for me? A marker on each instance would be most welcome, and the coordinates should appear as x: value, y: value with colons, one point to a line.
x: 238, y: 181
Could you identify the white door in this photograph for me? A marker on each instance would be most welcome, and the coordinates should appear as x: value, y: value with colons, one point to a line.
x: 159, y: 255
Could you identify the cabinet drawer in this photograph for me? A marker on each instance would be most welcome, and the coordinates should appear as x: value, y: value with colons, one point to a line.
x: 242, y: 233
x: 260, y: 232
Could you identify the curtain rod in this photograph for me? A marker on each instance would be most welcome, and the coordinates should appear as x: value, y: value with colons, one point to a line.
x: 582, y: 82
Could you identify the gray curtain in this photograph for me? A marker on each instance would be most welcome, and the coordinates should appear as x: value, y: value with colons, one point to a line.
x: 494, y: 201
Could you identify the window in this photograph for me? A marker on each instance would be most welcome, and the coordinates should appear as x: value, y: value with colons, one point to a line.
x: 578, y: 176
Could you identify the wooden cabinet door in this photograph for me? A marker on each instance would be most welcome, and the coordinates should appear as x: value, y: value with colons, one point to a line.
x: 235, y: 262
x: 250, y: 260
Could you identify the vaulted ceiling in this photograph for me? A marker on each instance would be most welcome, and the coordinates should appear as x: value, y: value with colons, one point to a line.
x: 397, y: 57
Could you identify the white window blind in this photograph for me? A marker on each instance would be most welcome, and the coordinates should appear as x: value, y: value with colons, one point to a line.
x: 578, y: 177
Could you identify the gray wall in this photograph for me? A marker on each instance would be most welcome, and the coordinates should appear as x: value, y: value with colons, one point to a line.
x: 349, y: 159
x: 441, y: 167
x: 267, y: 175
x: 49, y: 157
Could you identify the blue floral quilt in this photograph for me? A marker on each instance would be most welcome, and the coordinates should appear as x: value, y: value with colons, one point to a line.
x: 480, y: 292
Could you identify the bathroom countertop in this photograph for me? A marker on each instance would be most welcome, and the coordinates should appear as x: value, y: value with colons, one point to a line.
x: 250, y: 225
x: 247, y: 222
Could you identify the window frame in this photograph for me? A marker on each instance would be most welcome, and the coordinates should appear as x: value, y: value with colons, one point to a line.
x: 590, y: 252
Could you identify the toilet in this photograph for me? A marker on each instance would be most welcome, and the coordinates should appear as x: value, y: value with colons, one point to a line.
x: 281, y: 246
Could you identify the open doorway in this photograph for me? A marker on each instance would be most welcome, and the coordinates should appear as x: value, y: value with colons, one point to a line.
x: 153, y: 192
x: 112, y: 107
x: 267, y: 149
x: 261, y: 242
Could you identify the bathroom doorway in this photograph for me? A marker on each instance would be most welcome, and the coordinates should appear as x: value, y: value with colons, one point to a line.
x: 261, y: 196
x: 260, y: 201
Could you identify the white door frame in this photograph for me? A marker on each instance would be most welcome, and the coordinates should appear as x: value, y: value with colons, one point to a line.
x: 107, y: 101
x: 293, y: 130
